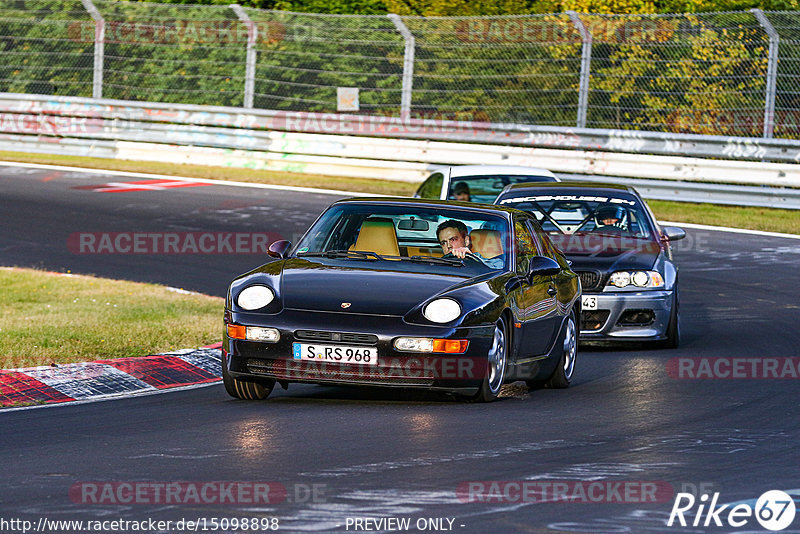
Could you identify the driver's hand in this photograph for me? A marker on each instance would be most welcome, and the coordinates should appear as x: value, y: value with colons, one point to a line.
x: 461, y: 252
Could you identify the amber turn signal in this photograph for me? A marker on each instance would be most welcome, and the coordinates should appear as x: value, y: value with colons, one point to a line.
x: 237, y: 331
x: 450, y: 346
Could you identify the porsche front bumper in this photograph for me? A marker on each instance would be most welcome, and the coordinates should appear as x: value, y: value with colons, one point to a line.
x: 253, y: 360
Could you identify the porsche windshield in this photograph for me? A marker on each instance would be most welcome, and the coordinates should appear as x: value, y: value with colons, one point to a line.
x: 409, y: 234
x: 570, y: 213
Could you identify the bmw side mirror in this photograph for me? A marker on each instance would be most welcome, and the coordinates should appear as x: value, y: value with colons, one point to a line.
x: 672, y: 233
x: 278, y: 248
x: 543, y: 266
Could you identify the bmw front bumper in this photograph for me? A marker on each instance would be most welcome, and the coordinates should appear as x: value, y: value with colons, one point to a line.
x: 640, y: 315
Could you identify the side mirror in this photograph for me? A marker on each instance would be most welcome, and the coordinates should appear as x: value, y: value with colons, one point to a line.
x: 672, y: 233
x: 278, y: 248
x: 543, y: 266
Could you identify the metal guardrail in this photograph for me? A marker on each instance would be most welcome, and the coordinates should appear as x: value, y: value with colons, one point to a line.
x: 626, y: 141
x: 390, y: 148
x: 732, y: 195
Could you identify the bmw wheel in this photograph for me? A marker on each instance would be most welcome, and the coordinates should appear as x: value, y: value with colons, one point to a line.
x: 674, y: 327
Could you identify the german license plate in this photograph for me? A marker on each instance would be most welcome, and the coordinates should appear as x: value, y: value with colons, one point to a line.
x: 335, y: 353
x: 588, y: 302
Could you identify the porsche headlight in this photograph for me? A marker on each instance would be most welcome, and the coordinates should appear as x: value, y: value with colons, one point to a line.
x: 638, y: 279
x: 255, y: 297
x: 442, y: 310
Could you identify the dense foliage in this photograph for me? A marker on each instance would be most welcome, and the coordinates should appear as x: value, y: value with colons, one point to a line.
x: 702, y: 72
x: 435, y: 8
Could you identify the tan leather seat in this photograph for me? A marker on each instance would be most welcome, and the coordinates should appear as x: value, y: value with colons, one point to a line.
x: 377, y: 235
x: 487, y: 243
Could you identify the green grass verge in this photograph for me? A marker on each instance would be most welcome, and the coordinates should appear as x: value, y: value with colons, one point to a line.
x: 51, y: 318
x: 771, y: 220
x: 766, y: 219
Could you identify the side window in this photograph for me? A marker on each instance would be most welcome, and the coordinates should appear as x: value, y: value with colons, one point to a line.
x: 537, y: 238
x: 550, y: 248
x: 526, y: 247
x: 432, y: 188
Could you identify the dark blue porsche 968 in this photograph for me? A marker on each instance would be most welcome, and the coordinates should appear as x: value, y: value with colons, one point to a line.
x: 406, y: 293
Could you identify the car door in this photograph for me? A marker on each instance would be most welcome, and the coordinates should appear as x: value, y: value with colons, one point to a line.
x: 431, y: 187
x: 540, y: 303
x: 565, y: 282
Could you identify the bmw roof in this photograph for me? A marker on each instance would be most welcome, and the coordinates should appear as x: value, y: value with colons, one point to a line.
x: 576, y: 184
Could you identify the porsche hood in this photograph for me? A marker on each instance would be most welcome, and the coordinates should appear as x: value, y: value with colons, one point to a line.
x: 333, y: 288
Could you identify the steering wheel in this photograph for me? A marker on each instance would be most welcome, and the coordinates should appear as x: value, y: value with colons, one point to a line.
x: 610, y: 229
x: 469, y: 256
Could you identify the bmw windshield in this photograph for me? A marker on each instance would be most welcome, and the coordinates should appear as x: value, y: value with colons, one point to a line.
x: 616, y: 214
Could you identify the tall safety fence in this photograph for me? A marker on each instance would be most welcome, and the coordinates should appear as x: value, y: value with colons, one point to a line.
x: 733, y: 74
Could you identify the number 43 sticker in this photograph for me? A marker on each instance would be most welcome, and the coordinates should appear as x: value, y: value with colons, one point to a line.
x: 588, y: 302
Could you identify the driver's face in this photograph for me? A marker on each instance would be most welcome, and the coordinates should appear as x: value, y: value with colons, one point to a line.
x: 462, y: 196
x: 451, y: 238
x: 610, y: 221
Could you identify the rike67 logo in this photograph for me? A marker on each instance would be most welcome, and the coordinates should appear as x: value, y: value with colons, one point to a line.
x: 774, y: 510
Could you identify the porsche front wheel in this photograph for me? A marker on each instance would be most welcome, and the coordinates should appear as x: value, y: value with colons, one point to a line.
x: 496, y: 365
x: 245, y: 389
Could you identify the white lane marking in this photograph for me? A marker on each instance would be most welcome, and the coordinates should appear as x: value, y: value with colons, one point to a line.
x: 726, y: 229
x: 187, y: 179
x: 115, y: 396
x: 327, y: 192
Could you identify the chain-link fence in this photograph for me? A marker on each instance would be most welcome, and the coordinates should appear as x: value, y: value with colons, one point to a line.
x: 732, y: 73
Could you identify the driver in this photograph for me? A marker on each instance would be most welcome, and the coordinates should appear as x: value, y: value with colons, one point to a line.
x: 609, y: 218
x: 461, y: 192
x: 454, y: 237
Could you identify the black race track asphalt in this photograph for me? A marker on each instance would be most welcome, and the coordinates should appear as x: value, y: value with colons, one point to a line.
x: 349, y: 454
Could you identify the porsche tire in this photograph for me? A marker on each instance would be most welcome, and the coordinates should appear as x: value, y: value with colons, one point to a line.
x: 245, y: 389
x: 565, y: 369
x: 497, y: 363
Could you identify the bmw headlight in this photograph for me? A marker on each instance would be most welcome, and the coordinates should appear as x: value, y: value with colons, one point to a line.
x: 636, y: 279
x: 442, y: 310
x: 255, y: 297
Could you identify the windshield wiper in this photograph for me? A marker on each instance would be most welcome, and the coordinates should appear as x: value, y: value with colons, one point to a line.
x: 433, y: 259
x: 352, y: 254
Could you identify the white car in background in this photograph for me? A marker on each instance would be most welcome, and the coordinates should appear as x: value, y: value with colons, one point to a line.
x: 483, y: 182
